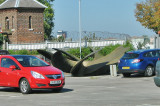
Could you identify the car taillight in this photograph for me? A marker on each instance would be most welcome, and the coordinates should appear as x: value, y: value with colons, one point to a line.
x: 137, y: 60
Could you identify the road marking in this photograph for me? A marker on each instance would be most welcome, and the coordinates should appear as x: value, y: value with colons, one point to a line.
x: 111, y: 87
x: 12, y: 96
x: 147, y: 105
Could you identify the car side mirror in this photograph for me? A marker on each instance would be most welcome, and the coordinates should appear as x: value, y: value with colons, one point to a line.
x: 13, y: 67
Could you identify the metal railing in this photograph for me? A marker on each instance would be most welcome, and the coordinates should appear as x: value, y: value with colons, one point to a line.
x: 50, y: 45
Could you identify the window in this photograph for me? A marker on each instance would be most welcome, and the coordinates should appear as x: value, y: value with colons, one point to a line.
x: 148, y: 54
x: 154, y: 54
x: 12, y: 22
x: 7, y: 23
x: 130, y: 55
x: 30, y: 22
x: 6, y: 62
x: 158, y: 52
x: 151, y: 54
x: 30, y: 61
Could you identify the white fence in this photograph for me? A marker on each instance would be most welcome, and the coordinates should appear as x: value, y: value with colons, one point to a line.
x: 50, y: 45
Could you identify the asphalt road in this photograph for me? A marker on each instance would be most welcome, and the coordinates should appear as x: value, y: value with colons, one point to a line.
x: 90, y: 91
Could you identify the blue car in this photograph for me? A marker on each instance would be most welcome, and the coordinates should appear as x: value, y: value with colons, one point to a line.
x: 141, y: 61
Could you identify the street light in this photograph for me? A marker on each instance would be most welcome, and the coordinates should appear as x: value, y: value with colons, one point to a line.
x: 80, y: 32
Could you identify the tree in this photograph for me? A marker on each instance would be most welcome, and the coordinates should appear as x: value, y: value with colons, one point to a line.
x: 61, y: 39
x: 146, y: 40
x: 1, y: 1
x: 129, y: 44
x: 148, y: 14
x: 139, y: 46
x: 1, y: 40
x: 48, y: 17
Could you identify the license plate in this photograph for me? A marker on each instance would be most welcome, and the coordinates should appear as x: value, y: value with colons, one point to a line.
x: 125, y: 67
x: 55, y: 82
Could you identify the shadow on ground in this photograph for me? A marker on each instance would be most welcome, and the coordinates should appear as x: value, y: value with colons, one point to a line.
x: 35, y: 91
x: 136, y: 75
x: 7, y: 89
x: 44, y: 91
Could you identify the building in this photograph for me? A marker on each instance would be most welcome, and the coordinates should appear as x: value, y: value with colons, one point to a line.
x: 22, y: 21
x: 62, y: 33
x: 136, y: 40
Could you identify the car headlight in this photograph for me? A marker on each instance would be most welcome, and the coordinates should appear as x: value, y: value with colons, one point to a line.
x: 37, y: 75
x: 62, y: 74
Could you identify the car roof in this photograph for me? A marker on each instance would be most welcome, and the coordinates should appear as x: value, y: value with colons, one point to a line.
x: 14, y: 55
x: 19, y: 55
x: 142, y: 51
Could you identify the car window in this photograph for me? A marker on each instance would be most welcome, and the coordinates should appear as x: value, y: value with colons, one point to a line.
x: 6, y: 62
x: 158, y: 52
x: 151, y: 54
x: 30, y: 61
x: 130, y: 56
x: 154, y: 54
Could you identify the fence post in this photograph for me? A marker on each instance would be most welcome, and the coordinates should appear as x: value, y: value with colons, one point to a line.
x: 86, y: 43
x: 7, y: 45
x: 46, y: 44
x: 113, y: 70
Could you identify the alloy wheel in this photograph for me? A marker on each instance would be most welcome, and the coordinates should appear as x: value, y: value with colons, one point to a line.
x: 24, y: 86
x: 149, y: 71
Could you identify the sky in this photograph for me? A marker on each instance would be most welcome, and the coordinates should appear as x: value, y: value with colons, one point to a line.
x: 114, y: 16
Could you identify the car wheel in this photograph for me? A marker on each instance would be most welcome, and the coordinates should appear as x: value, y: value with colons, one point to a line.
x: 24, y: 86
x: 148, y: 71
x: 126, y: 74
x: 57, y: 90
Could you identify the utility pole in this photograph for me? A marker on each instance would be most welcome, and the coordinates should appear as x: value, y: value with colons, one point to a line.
x: 80, y: 32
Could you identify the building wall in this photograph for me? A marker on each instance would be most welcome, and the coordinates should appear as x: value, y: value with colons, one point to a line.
x: 36, y: 33
x: 21, y: 33
x: 9, y: 13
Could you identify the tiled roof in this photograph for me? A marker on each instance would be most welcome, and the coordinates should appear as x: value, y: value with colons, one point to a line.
x: 21, y: 4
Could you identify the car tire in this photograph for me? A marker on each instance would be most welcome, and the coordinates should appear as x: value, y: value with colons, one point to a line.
x: 126, y: 74
x: 149, y: 71
x: 24, y: 86
x: 57, y: 90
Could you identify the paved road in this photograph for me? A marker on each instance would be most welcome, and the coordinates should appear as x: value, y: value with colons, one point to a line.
x: 90, y: 91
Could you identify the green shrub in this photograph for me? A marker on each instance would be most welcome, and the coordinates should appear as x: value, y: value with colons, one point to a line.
x: 84, y: 52
x: 129, y: 44
x: 108, y: 49
x: 23, y: 52
x: 105, y: 51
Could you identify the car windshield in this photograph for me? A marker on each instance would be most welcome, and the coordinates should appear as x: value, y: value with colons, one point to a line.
x: 130, y: 56
x: 30, y: 61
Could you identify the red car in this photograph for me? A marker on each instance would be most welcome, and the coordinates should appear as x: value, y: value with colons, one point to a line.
x: 29, y: 72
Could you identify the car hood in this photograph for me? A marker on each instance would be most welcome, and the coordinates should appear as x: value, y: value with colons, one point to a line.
x: 46, y: 70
